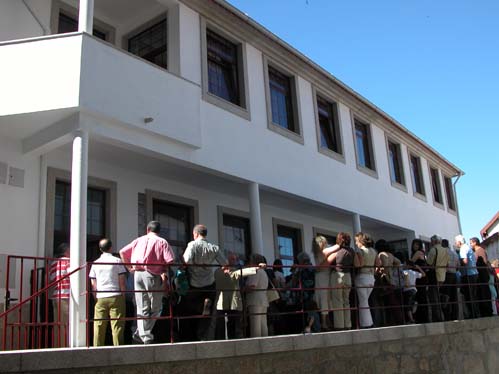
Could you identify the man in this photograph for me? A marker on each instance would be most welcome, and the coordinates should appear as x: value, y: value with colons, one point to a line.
x: 469, y: 277
x: 202, y: 255
x: 58, y: 271
x: 108, y: 278
x: 449, y: 289
x: 438, y: 259
x: 478, y: 250
x: 150, y: 256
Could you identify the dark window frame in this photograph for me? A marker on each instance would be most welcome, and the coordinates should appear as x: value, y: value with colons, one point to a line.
x: 450, y: 194
x: 142, y: 31
x: 369, y: 166
x: 395, y: 165
x: 436, y: 186
x: 327, y: 119
x: 417, y: 177
x: 286, y: 229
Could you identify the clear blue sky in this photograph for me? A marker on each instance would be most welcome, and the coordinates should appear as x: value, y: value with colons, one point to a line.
x: 432, y: 65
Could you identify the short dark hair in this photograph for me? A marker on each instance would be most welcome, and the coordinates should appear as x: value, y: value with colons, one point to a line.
x: 200, y: 230
x: 343, y: 239
x: 445, y: 243
x: 382, y: 246
x: 154, y: 226
x: 61, y: 249
x: 105, y: 245
x: 476, y: 240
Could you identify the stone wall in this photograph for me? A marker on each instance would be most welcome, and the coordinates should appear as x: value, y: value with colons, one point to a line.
x: 465, y: 347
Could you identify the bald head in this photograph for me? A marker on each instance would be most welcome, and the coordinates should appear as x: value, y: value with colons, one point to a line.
x: 106, y: 245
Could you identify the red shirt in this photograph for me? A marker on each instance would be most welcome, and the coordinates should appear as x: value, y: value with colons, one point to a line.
x: 148, y: 249
x: 59, y: 269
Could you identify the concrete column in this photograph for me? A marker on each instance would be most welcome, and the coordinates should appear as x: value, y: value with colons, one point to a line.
x: 78, y: 240
x: 256, y: 218
x: 86, y: 16
x: 356, y: 223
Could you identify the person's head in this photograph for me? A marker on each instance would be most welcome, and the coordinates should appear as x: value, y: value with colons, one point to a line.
x: 106, y: 245
x: 363, y: 240
x: 435, y: 239
x: 401, y: 256
x: 199, y: 231
x: 62, y: 250
x: 474, y: 242
x: 154, y: 227
x: 233, y: 258
x: 459, y: 241
x: 445, y: 243
x: 256, y: 259
x: 277, y: 265
x: 343, y: 240
x: 382, y: 246
x: 318, y: 244
x: 417, y: 245
x: 303, y: 259
x: 495, y: 263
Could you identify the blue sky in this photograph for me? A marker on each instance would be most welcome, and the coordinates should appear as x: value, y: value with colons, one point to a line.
x: 432, y: 65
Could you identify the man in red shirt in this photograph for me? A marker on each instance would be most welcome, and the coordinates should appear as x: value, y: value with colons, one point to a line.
x: 60, y: 295
x: 150, y: 255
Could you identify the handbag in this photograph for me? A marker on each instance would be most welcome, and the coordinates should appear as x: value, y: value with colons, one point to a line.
x: 272, y: 293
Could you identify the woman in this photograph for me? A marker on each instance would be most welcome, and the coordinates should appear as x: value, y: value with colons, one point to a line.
x: 256, y: 299
x: 342, y: 257
x: 418, y: 258
x: 388, y: 267
x: 322, y: 280
x: 364, y: 281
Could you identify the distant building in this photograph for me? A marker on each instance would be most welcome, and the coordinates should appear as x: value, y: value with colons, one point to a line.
x: 490, y: 237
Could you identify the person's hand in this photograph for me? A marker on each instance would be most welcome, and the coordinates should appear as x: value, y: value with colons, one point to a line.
x: 308, y: 330
x: 262, y: 265
x: 164, y: 277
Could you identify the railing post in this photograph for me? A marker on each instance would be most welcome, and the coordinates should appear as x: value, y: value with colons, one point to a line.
x: 78, y: 239
x: 256, y: 218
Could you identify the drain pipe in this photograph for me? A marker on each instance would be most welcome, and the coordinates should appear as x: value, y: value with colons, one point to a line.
x: 457, y: 205
x: 44, y: 29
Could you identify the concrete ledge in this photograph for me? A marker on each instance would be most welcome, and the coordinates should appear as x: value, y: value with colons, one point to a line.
x: 394, y: 340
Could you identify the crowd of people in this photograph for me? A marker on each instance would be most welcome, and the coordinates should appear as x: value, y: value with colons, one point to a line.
x: 149, y: 296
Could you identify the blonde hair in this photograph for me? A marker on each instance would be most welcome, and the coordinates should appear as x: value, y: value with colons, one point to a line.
x: 318, y: 243
x: 364, y: 239
x: 495, y: 263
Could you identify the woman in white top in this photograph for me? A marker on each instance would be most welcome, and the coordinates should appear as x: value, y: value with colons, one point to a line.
x: 364, y: 281
x: 256, y: 299
x: 322, y: 280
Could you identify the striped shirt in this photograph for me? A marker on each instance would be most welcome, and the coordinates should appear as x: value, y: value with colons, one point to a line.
x: 59, y: 269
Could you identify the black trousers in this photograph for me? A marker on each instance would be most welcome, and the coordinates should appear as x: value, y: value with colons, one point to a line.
x: 449, y: 288
x: 469, y: 290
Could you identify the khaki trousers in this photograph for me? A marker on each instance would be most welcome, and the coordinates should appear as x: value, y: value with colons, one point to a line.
x: 340, y: 297
x: 61, y: 323
x: 105, y: 308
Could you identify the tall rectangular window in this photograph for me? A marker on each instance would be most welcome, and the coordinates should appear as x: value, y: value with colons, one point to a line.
x: 435, y: 185
x: 329, y: 135
x: 289, y: 245
x: 237, y: 236
x: 449, y: 191
x: 223, y: 74
x: 363, y: 145
x: 70, y: 24
x: 395, y: 163
x: 417, y: 175
x: 151, y: 44
x: 281, y: 99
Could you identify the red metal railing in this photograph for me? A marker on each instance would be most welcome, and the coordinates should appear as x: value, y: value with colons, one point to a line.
x: 29, y: 324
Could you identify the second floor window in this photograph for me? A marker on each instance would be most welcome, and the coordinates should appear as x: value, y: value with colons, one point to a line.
x: 223, y: 71
x: 151, y: 44
x: 449, y: 191
x: 395, y: 162
x: 417, y: 175
x: 70, y: 24
x: 328, y: 125
x: 435, y: 185
x: 363, y: 145
x: 281, y: 100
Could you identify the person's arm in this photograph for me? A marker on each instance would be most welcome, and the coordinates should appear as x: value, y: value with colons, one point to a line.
x: 188, y: 256
x: 418, y: 268
x: 330, y: 250
x: 416, y: 256
x: 122, y: 280
x: 126, y: 255
x: 93, y: 283
x: 431, y: 256
x: 358, y: 260
x: 311, y: 321
x: 463, y: 255
x: 332, y: 257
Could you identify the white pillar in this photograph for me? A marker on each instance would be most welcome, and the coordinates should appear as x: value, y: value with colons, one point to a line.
x: 86, y: 16
x: 356, y: 223
x: 78, y: 240
x: 256, y: 218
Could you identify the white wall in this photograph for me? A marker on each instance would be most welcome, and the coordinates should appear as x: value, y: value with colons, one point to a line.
x: 16, y: 21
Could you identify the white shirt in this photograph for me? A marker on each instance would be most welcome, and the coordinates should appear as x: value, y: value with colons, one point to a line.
x: 107, y: 275
x: 256, y: 286
x: 410, y: 279
x: 201, y: 252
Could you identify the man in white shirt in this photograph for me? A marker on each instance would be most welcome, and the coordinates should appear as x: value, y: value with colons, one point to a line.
x: 108, y: 278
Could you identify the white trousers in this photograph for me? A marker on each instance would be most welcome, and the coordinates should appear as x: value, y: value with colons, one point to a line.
x: 323, y: 297
x: 364, y: 284
x: 258, y: 321
x: 148, y: 303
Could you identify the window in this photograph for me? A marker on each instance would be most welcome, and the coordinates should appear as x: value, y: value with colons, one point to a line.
x: 96, y: 217
x: 150, y: 43
x: 417, y: 175
x: 395, y: 163
x: 223, y: 74
x: 236, y: 236
x: 435, y: 185
x: 449, y: 191
x: 281, y: 100
x: 70, y: 24
x: 363, y: 145
x: 328, y: 126
x: 289, y: 244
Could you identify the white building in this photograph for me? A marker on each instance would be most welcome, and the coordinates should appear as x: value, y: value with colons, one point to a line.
x: 188, y: 111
